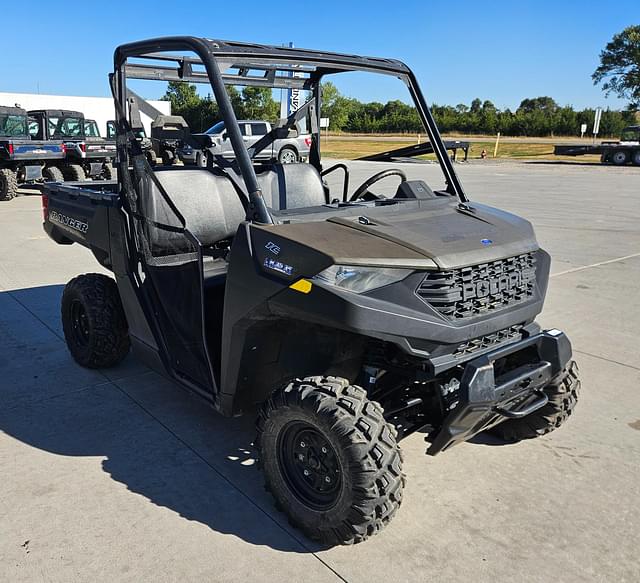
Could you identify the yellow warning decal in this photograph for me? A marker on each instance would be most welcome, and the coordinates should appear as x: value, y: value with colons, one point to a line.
x: 302, y: 285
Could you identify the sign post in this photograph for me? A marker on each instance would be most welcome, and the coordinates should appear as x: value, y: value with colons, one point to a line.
x: 583, y: 130
x: 596, y: 123
x: 324, y: 125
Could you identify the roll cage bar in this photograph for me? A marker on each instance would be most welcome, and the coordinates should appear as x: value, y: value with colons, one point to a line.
x: 258, y: 65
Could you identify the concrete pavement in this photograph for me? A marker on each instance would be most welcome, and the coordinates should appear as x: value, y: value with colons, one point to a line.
x: 118, y: 475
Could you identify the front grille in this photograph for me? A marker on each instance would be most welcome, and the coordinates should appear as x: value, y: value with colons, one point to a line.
x: 489, y: 341
x: 473, y: 291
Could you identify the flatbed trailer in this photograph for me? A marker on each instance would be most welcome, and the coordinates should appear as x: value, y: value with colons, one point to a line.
x: 624, y: 151
x: 420, y: 150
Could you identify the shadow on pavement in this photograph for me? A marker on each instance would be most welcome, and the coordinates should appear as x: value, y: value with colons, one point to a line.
x: 156, y: 439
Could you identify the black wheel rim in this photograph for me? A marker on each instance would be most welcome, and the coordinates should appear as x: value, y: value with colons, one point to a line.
x: 309, y: 465
x: 80, y: 323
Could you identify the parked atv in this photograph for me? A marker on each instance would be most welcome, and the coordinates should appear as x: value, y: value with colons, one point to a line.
x: 170, y: 136
x: 348, y: 318
x: 87, y: 154
x: 23, y: 160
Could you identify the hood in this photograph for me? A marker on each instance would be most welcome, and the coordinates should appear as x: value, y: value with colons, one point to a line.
x: 423, y: 234
x: 449, y: 233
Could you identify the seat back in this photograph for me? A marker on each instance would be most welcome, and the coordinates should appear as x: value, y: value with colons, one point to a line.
x: 209, y: 204
x: 292, y: 186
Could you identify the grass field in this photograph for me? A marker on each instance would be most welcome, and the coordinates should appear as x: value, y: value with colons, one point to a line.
x: 348, y: 148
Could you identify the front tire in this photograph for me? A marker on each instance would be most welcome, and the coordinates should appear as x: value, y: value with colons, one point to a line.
x: 8, y: 184
x: 562, y: 391
x: 93, y: 321
x: 330, y: 459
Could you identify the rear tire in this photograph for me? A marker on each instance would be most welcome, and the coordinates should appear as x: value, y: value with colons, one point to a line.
x: 201, y: 160
x: 288, y: 155
x: 167, y: 158
x: 109, y: 172
x: 635, y: 158
x: 563, y: 391
x: 93, y: 321
x: 329, y: 429
x: 151, y: 158
x: 8, y: 184
x: 620, y: 157
x: 53, y: 174
x: 74, y: 173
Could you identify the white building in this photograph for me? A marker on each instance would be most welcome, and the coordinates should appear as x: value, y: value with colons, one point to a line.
x: 99, y: 108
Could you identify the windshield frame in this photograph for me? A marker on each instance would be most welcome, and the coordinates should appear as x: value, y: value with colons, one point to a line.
x: 278, y: 66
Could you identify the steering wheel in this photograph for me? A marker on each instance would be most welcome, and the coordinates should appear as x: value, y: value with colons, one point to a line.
x: 364, y: 187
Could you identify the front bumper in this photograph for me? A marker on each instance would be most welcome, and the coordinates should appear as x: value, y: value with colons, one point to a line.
x: 486, y: 398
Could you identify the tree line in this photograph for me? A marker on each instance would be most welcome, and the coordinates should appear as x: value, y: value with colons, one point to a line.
x: 539, y: 116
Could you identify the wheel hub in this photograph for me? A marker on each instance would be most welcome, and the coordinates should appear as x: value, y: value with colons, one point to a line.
x: 80, y: 323
x: 310, y: 465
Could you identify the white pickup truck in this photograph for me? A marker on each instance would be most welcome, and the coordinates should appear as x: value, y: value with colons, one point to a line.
x: 284, y: 150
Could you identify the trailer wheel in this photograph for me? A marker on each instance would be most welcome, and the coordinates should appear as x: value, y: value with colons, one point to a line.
x: 635, y: 157
x: 53, y: 173
x: 619, y: 157
x: 8, y: 184
x: 73, y: 173
x: 563, y: 391
x: 330, y: 459
x: 93, y: 321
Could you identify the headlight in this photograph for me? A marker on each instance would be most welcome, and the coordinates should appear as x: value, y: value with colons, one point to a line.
x: 360, y: 279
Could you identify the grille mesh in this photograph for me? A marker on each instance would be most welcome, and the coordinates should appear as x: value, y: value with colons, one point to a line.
x: 472, y: 291
x: 471, y: 346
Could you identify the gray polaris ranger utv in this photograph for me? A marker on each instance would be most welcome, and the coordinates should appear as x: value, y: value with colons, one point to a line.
x: 347, y: 317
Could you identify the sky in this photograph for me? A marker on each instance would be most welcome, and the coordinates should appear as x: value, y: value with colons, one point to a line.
x: 503, y: 51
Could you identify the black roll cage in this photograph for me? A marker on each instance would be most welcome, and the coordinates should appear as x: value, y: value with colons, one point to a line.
x: 277, y: 68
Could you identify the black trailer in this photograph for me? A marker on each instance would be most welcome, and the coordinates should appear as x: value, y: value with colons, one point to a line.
x: 87, y: 154
x: 420, y: 150
x: 621, y: 152
x: 22, y: 159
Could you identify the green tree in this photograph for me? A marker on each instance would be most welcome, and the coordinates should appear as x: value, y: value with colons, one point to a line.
x: 619, y: 69
x: 543, y: 104
x: 258, y: 103
x: 336, y: 107
x: 181, y: 95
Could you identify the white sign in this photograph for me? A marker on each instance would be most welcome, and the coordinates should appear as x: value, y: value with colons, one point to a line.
x: 596, y: 122
x: 583, y: 129
x: 324, y: 122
